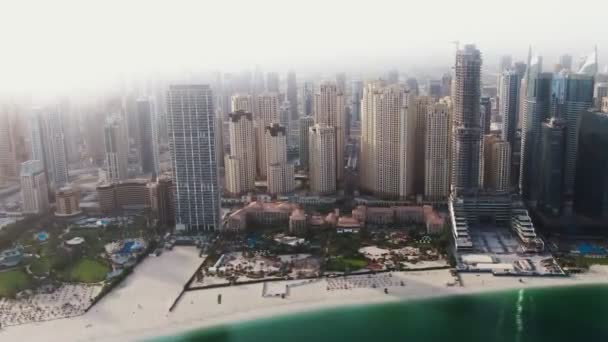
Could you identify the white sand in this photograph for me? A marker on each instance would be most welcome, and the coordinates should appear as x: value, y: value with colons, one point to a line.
x: 139, y: 309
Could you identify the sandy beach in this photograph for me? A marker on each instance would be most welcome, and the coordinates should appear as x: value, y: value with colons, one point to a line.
x: 138, y: 309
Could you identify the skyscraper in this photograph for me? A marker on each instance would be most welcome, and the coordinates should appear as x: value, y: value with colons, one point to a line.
x: 48, y: 145
x: 242, y: 102
x: 357, y: 93
x: 148, y: 137
x: 304, y: 124
x: 34, y: 189
x: 509, y: 104
x: 267, y: 112
x: 504, y: 64
x: 383, y: 157
x: 280, y: 173
x: 437, y: 158
x: 417, y: 141
x: 551, y: 170
x: 329, y: 109
x: 591, y: 195
x: 497, y: 163
x: 537, y: 109
x: 7, y: 154
x: 94, y: 137
x: 322, y: 147
x: 292, y: 95
x: 446, y: 85
x: 191, y: 126
x: 308, y: 98
x: 242, y: 153
x: 285, y: 114
x: 466, y: 131
x: 115, y: 142
x: 486, y: 114
x: 572, y: 95
x: 341, y: 82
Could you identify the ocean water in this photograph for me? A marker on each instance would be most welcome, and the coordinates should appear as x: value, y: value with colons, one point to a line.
x: 572, y: 314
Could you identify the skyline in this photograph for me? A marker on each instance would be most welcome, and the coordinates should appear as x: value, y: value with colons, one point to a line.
x: 69, y: 45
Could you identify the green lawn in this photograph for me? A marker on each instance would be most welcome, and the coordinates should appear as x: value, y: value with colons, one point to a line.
x: 12, y: 282
x: 341, y: 264
x: 88, y: 271
x: 41, y: 266
x: 582, y: 261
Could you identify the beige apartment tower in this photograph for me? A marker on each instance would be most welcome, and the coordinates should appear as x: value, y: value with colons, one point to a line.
x: 322, y: 149
x: 497, y: 163
x: 384, y: 140
x: 240, y: 163
x: 280, y: 174
x: 330, y: 110
x: 417, y: 127
x: 242, y: 102
x: 266, y: 113
x: 437, y: 157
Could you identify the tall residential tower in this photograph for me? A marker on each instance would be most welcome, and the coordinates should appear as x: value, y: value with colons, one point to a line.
x: 191, y: 126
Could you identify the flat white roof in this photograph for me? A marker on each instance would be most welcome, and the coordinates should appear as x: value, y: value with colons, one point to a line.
x: 477, y: 259
x: 495, y: 266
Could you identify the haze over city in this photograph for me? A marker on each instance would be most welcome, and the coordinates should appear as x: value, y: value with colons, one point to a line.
x: 59, y: 46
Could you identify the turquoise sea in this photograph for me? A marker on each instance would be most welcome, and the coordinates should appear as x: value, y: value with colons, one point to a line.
x: 570, y: 314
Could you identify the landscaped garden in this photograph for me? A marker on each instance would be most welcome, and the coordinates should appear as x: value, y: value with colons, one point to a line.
x: 13, y: 281
x: 87, y: 270
x: 341, y: 264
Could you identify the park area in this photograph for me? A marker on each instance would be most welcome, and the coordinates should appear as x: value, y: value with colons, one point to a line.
x: 55, y: 251
x: 52, y: 269
x: 87, y: 271
x: 13, y: 281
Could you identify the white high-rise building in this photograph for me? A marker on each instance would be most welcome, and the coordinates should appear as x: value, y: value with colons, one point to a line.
x: 384, y: 157
x: 330, y: 110
x: 115, y: 140
x: 437, y: 158
x: 34, y: 188
x: 280, y: 173
x: 322, y: 149
x: 191, y: 126
x: 267, y: 113
x: 242, y: 102
x: 240, y: 173
x: 509, y: 104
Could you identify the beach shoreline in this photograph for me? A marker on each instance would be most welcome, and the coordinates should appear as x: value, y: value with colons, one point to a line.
x: 139, y: 309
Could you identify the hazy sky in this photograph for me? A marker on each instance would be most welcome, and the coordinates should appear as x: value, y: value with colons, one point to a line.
x: 50, y: 44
